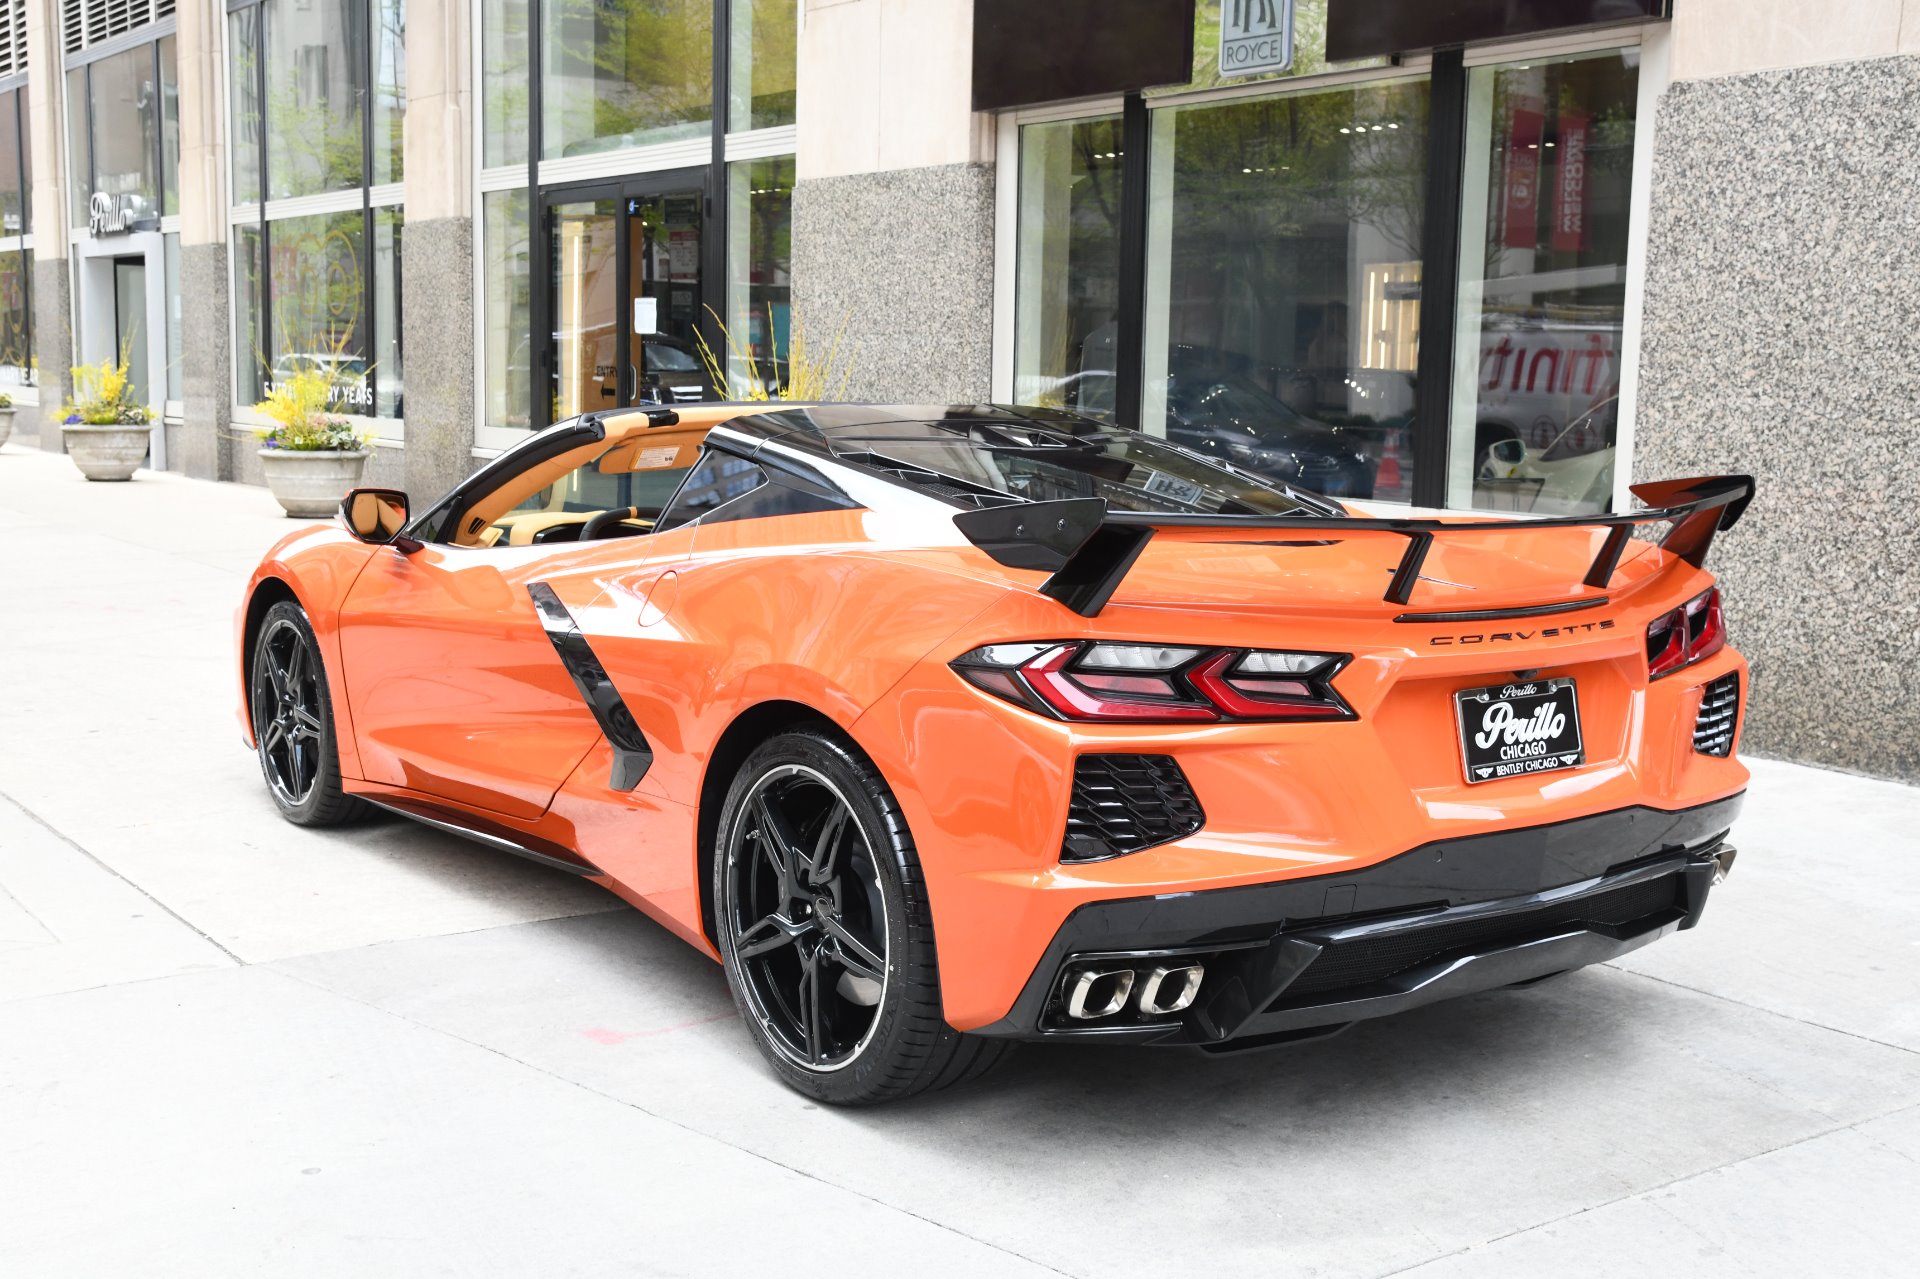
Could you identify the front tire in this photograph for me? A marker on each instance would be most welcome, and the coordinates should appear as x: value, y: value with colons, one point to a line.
x: 825, y: 931
x: 293, y: 726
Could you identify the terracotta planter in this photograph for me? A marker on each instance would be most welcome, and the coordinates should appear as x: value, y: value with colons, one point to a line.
x: 107, y: 452
x: 6, y: 424
x: 310, y: 484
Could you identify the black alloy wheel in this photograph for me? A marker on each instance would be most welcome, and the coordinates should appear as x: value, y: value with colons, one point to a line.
x: 293, y: 722
x: 825, y: 930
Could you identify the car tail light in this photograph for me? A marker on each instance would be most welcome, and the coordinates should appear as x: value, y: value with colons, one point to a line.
x: 1691, y: 633
x: 1157, y: 683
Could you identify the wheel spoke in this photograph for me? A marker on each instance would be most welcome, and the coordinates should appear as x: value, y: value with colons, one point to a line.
x: 306, y: 721
x: 770, y: 934
x: 777, y: 846
x: 273, y: 736
x: 810, y: 1007
x: 277, y: 677
x: 826, y: 849
x: 851, y: 953
x: 296, y: 668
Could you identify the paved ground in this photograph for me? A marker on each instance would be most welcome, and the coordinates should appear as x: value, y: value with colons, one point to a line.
x: 229, y: 1046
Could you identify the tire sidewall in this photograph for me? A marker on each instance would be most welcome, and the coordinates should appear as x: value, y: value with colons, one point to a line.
x: 907, y: 922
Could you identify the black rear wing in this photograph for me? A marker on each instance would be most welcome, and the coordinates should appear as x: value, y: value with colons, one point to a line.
x: 1086, y: 550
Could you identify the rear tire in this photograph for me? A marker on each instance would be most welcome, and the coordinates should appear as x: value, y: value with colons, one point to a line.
x: 293, y: 728
x: 825, y: 931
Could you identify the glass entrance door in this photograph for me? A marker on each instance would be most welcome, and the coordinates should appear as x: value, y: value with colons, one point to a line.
x: 130, y: 321
x: 626, y: 295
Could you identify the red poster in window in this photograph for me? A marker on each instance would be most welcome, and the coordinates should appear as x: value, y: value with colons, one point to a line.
x: 1525, y: 124
x: 1570, y: 190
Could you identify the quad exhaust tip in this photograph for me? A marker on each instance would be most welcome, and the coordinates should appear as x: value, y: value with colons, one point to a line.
x: 1095, y: 993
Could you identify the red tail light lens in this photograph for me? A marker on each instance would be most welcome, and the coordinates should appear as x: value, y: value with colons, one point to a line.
x: 1691, y: 633
x: 1157, y: 683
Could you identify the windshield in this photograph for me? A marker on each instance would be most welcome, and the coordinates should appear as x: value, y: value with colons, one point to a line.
x: 1132, y: 472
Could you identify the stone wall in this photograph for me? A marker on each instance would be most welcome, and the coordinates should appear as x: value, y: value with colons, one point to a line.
x: 905, y: 258
x: 1782, y: 338
x: 436, y: 314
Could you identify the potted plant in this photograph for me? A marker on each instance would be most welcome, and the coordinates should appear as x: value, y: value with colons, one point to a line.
x: 310, y: 457
x: 107, y: 432
x: 6, y: 416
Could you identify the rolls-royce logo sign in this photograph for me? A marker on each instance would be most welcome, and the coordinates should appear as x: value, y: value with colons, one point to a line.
x: 108, y: 216
x: 1256, y: 36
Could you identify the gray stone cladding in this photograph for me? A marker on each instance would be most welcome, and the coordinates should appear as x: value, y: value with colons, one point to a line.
x: 436, y: 314
x: 52, y: 345
x: 206, y: 445
x: 905, y: 259
x: 1782, y: 338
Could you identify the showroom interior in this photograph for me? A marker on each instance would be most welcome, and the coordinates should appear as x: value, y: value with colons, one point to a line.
x: 1508, y: 259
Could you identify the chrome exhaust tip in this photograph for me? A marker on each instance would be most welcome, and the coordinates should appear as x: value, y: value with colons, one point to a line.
x: 1093, y: 993
x: 1170, y: 990
x: 1723, y: 863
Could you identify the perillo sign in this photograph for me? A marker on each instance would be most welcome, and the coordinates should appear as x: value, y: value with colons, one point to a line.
x: 107, y: 215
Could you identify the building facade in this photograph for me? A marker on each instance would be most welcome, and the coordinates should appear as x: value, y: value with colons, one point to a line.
x: 1502, y: 258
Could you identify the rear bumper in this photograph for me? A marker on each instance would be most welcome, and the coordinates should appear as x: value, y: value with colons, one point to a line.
x: 1446, y: 919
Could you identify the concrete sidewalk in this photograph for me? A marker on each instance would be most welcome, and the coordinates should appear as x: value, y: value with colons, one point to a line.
x: 231, y: 1046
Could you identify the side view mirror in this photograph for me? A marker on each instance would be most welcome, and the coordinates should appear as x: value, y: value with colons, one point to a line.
x: 376, y: 516
x: 1508, y: 452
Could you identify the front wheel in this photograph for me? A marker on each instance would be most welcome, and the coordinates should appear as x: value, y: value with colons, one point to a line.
x: 293, y: 722
x: 825, y: 931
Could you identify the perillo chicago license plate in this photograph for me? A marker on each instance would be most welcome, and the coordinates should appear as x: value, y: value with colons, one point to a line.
x: 1512, y: 730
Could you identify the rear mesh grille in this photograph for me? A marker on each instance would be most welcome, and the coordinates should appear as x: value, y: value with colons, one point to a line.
x: 1124, y: 803
x: 1362, y: 962
x: 1719, y: 714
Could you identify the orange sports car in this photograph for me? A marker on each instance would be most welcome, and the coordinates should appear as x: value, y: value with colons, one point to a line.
x: 945, y: 728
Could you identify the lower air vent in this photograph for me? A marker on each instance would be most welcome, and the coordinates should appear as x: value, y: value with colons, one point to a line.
x: 1719, y: 714
x: 1124, y: 803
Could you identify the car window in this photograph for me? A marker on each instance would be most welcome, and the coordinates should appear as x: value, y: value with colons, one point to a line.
x: 1132, y: 472
x: 719, y: 478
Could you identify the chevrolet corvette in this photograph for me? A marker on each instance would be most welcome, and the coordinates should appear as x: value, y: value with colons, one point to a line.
x: 943, y: 729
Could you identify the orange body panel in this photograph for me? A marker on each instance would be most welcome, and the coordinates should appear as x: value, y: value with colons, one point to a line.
x: 446, y: 687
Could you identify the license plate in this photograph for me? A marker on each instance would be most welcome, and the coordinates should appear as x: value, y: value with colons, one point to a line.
x: 1514, y: 730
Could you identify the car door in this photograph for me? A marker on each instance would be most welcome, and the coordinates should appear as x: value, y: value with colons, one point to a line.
x: 455, y: 688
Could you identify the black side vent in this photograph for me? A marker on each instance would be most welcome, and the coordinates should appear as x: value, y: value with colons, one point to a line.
x: 1719, y: 713
x: 1124, y: 803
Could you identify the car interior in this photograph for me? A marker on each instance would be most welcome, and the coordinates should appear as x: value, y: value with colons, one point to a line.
x: 618, y: 486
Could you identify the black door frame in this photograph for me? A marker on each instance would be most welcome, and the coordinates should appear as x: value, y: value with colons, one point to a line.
x: 697, y: 180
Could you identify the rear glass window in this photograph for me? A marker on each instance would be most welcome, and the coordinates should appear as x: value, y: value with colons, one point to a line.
x: 1132, y: 472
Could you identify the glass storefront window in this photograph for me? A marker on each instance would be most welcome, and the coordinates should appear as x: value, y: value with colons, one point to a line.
x: 317, y: 304
x: 124, y: 100
x: 504, y: 95
x: 26, y: 160
x: 243, y: 99
x: 759, y: 271
x: 250, y: 358
x: 169, y: 126
x: 79, y: 152
x: 1283, y: 271
x: 507, y: 277
x: 389, y: 103
x: 624, y: 73
x: 317, y: 65
x: 761, y: 76
x: 16, y: 318
x: 389, y: 382
x: 1067, y: 290
x: 1543, y: 273
x: 14, y: 194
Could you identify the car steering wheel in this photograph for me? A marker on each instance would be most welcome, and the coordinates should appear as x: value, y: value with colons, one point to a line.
x: 606, y: 519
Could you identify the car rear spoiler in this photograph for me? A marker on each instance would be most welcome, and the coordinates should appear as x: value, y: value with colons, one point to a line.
x: 1086, y: 549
